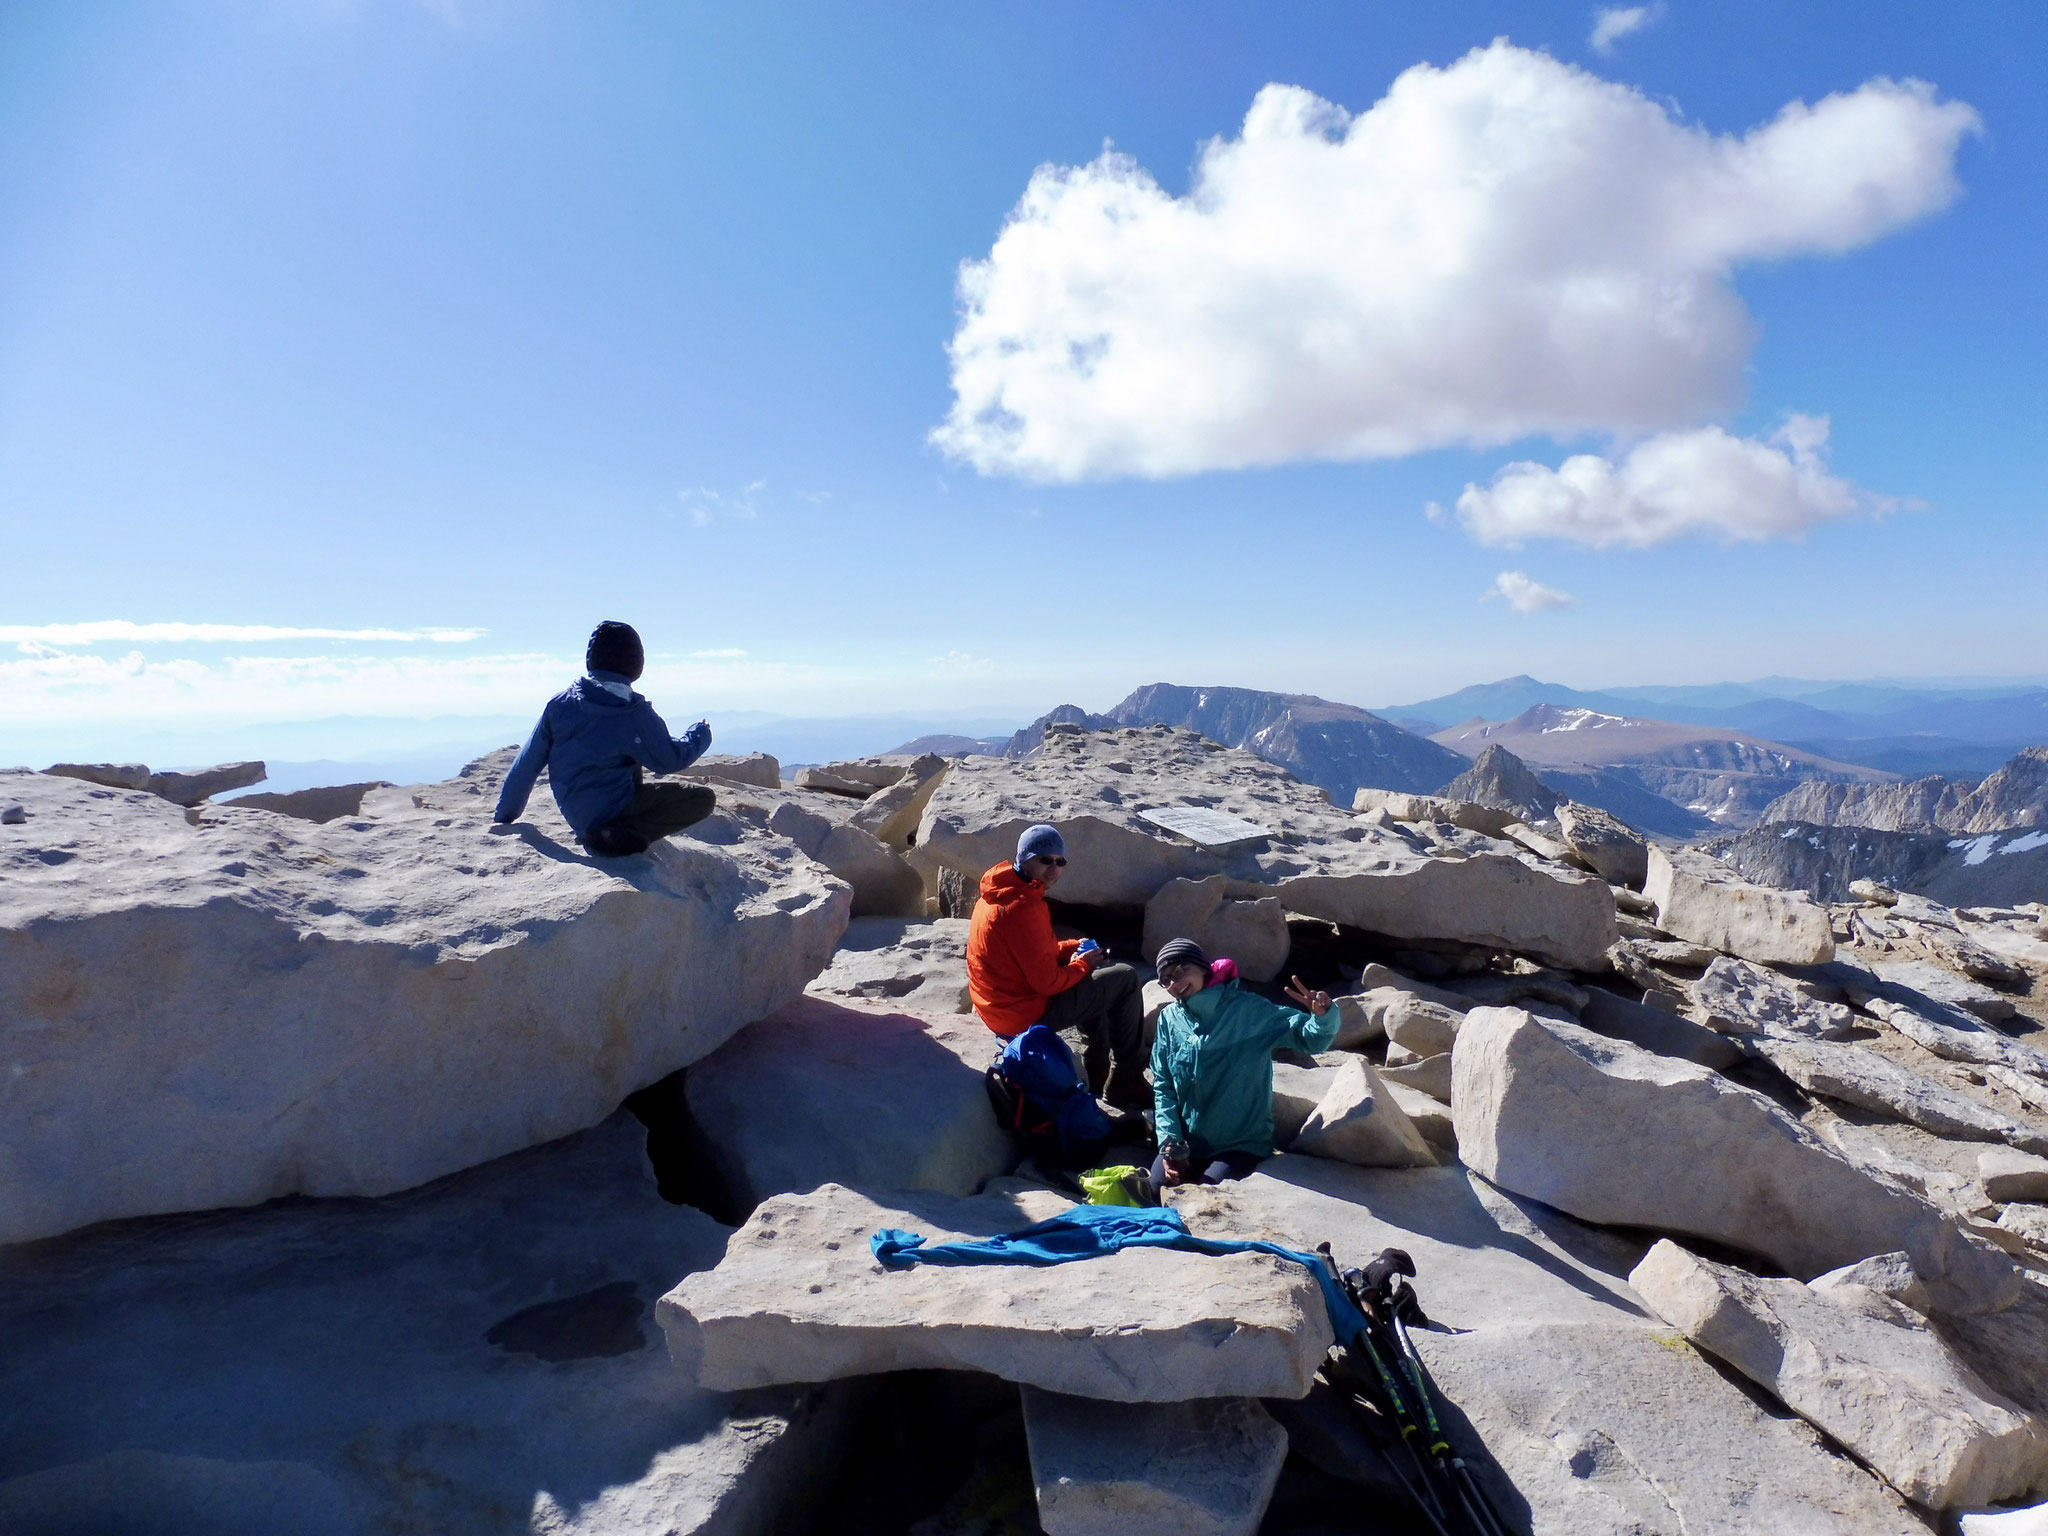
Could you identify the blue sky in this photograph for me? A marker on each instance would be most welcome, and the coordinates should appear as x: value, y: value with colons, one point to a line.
x: 491, y: 319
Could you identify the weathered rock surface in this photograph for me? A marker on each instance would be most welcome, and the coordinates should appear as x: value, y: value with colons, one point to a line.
x: 476, y: 1356
x: 1945, y: 986
x: 1429, y: 1115
x: 1358, y: 1121
x: 893, y: 812
x: 1738, y: 998
x: 1698, y: 900
x: 257, y: 1006
x: 1426, y: 882
x: 1545, y: 846
x: 1419, y: 1027
x: 1609, y: 846
x: 1488, y: 819
x: 918, y: 963
x: 1297, y: 1090
x: 1655, y: 1029
x: 756, y: 768
x: 1366, y: 1014
x: 1200, y: 1468
x: 1494, y: 989
x: 1853, y: 1075
x: 1430, y: 1075
x: 883, y: 884
x: 1224, y: 916
x: 1605, y: 1422
x: 829, y: 1092
x: 327, y: 802
x: 1617, y: 1135
x: 2009, y: 1174
x: 1860, y: 1366
x: 1888, y: 1274
x: 2027, y: 1222
x: 799, y: 1297
x: 179, y: 788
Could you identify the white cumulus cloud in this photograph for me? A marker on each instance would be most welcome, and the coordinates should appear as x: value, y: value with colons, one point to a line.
x: 1737, y: 489
x: 1504, y: 247
x: 1523, y: 595
x: 1612, y: 23
x: 128, y: 632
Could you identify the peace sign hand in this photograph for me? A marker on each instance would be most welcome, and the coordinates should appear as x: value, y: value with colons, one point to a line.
x: 1317, y: 1002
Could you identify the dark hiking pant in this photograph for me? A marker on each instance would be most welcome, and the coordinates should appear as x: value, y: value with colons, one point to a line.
x: 1214, y: 1169
x: 1108, y: 1012
x: 656, y: 811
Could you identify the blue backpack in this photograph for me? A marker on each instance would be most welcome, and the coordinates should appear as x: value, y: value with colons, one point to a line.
x: 1040, y: 1097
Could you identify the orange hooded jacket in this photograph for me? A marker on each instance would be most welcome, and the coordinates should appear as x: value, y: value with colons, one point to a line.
x: 1013, y: 962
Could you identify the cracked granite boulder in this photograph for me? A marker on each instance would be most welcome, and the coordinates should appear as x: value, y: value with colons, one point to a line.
x: 1618, y: 1135
x: 1860, y: 1366
x: 256, y: 1005
x: 799, y: 1297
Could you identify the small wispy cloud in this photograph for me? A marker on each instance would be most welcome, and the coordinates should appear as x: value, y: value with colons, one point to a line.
x: 707, y: 506
x: 128, y: 632
x: 1523, y: 595
x: 1611, y: 23
x: 726, y: 653
x: 960, y: 664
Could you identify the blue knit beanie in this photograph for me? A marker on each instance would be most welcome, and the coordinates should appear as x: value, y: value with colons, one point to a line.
x: 1040, y: 841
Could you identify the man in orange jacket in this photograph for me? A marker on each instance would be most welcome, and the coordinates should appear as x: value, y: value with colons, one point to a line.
x: 1019, y: 975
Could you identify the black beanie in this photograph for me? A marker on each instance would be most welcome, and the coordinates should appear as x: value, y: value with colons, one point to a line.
x: 615, y: 647
x: 1177, y: 952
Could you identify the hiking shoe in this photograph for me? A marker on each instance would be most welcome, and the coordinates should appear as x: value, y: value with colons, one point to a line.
x: 1129, y: 1090
x: 612, y: 841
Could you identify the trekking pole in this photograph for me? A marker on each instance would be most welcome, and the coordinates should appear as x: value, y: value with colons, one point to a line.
x: 1390, y: 1304
x: 1429, y: 1499
x: 1420, y: 1494
x: 1478, y: 1507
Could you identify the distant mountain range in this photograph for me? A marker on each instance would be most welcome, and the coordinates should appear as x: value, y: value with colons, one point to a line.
x: 1959, y: 732
x: 1718, y: 776
x: 1671, y: 772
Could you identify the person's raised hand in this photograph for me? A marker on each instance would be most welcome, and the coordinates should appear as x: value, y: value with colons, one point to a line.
x: 1316, y: 1002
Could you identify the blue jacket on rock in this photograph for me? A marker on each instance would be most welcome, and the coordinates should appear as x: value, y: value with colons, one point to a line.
x: 591, y: 740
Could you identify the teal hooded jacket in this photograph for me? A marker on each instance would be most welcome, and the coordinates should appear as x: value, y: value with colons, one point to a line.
x: 1212, y: 1066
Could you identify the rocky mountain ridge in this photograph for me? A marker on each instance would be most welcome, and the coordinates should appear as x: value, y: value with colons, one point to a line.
x: 2014, y: 796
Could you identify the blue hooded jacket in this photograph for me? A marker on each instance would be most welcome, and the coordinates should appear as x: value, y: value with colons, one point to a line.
x: 590, y: 741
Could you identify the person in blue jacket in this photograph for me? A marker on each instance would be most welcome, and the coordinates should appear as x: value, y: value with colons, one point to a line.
x: 1212, y: 1065
x: 594, y: 738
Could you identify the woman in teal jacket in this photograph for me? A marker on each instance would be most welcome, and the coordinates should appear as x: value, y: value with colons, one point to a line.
x: 1212, y: 1066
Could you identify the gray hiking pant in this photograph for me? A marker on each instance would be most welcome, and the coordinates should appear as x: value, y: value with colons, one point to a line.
x: 1108, y: 1012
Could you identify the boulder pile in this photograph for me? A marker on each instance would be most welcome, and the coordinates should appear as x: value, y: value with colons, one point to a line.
x: 1728, y: 1205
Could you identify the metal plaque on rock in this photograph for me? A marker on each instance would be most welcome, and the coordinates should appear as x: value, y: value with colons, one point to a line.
x: 1212, y: 829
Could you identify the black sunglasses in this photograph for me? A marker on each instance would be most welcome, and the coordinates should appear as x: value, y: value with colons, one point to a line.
x: 1051, y: 858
